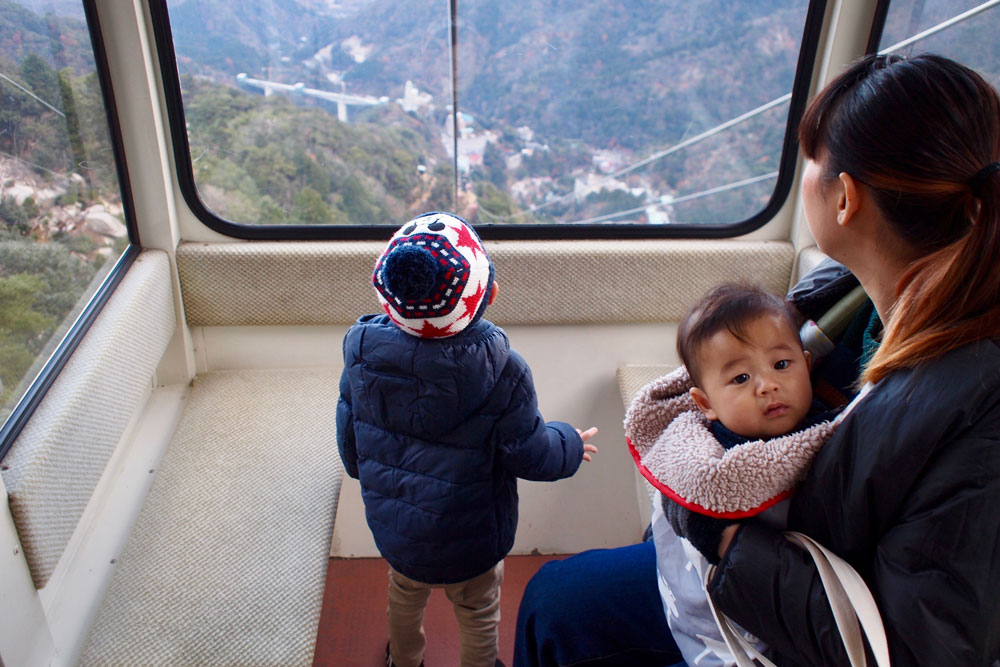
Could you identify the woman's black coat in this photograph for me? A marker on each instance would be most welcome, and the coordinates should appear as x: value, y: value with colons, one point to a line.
x: 908, y: 492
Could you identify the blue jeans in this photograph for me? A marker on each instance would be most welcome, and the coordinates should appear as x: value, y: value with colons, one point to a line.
x: 597, y: 608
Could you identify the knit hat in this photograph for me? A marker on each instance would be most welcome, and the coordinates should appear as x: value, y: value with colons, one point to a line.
x: 434, y: 278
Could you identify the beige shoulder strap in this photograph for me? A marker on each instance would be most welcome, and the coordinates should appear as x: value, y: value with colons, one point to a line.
x: 850, y: 600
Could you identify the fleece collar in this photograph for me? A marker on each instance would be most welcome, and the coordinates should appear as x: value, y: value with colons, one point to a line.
x: 675, y: 450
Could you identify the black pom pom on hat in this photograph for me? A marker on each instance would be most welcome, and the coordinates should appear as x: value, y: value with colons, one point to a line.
x: 410, y: 272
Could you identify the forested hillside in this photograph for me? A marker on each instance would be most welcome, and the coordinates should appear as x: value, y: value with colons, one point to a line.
x: 283, y: 164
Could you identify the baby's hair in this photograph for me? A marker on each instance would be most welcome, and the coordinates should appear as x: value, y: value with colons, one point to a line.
x: 730, y: 306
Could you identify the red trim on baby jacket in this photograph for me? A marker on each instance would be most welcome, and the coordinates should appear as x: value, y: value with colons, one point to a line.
x: 695, y: 507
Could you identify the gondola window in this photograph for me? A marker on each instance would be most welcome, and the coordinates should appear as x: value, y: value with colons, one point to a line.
x: 591, y: 113
x: 964, y: 30
x: 63, y: 221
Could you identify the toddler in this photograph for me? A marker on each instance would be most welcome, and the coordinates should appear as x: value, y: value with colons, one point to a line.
x: 438, y: 418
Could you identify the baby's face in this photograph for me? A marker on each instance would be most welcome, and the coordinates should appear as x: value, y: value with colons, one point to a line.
x: 758, y: 387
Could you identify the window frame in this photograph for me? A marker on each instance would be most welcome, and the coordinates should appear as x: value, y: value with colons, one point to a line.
x: 878, y: 26
x: 36, y: 391
x: 805, y: 64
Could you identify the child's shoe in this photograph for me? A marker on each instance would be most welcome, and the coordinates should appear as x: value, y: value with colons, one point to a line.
x: 390, y: 663
x: 388, y: 658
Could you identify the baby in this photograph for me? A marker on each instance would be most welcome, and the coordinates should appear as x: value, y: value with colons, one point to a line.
x: 727, y: 436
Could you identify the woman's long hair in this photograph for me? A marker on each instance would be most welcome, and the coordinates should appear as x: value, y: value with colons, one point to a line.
x: 919, y: 132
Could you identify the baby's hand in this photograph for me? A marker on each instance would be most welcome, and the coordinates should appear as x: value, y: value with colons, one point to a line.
x: 585, y: 436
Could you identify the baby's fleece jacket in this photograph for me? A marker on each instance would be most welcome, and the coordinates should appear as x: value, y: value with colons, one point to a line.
x: 674, y: 447
x: 438, y: 431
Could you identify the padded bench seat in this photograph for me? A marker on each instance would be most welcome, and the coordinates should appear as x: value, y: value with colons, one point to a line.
x: 227, y: 561
x: 632, y: 378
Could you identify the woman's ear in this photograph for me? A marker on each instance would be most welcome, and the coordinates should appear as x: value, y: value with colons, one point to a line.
x: 701, y: 400
x: 848, y: 198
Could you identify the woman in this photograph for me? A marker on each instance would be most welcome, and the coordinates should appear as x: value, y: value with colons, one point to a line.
x: 902, y: 186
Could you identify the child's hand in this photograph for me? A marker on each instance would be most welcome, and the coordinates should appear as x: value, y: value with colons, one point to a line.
x: 585, y: 436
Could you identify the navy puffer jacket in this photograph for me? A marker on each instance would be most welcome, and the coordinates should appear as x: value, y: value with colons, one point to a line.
x: 438, y: 430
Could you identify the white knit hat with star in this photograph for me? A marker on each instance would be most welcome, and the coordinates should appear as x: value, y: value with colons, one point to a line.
x: 434, y: 277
